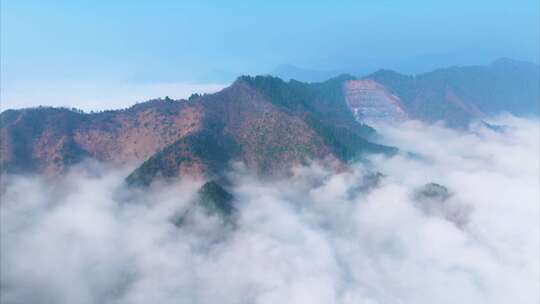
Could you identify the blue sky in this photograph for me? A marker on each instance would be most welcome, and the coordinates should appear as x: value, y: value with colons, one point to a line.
x: 98, y: 54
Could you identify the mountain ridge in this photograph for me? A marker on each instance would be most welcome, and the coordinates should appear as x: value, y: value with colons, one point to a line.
x: 261, y: 115
x: 262, y: 121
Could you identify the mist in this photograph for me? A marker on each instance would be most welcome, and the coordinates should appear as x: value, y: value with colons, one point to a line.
x: 369, y: 234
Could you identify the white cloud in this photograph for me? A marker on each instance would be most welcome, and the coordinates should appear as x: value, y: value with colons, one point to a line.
x: 316, y: 237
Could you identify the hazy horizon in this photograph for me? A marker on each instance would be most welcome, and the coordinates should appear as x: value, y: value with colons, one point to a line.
x: 99, y: 55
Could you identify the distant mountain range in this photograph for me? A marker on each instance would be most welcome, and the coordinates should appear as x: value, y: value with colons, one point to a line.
x: 289, y: 71
x: 264, y: 122
x: 457, y: 95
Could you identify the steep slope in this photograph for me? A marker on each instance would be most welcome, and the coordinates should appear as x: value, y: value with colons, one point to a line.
x: 267, y: 124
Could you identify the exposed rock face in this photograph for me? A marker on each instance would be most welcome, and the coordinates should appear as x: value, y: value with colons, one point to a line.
x: 371, y: 102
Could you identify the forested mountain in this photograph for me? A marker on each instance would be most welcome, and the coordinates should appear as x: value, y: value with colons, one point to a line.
x: 264, y: 122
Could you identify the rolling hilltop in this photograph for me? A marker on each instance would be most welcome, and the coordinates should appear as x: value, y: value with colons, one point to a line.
x: 264, y: 122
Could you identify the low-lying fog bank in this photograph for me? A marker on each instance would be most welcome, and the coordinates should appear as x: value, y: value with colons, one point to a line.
x: 471, y: 236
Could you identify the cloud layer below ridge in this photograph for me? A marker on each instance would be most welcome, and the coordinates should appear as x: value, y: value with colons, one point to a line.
x: 317, y: 237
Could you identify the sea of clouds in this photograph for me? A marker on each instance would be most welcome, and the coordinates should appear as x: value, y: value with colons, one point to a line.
x: 317, y: 237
